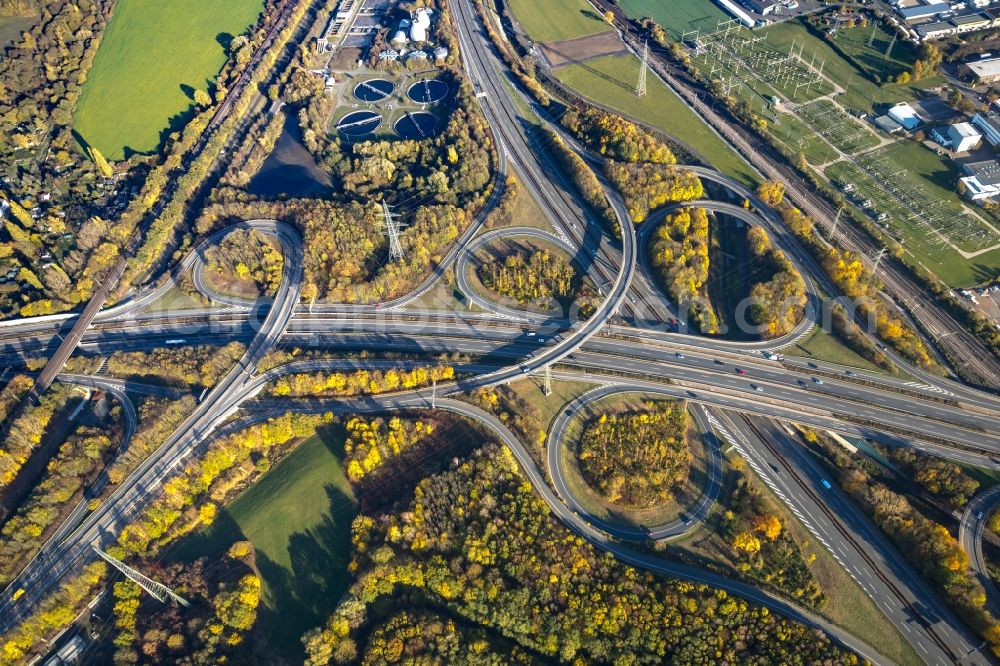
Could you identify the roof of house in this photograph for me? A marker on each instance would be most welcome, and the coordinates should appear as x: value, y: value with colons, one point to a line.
x: 971, y: 19
x: 887, y: 124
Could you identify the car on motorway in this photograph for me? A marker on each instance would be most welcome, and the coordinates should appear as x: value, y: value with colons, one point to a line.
x: 541, y: 340
x: 18, y: 594
x: 525, y: 369
x: 826, y: 484
x: 800, y: 382
x: 678, y: 355
x: 817, y: 380
x: 850, y: 373
x: 531, y: 334
x: 755, y: 387
x: 718, y: 362
x: 741, y: 371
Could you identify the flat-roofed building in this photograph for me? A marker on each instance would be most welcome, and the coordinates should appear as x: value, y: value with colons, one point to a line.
x: 988, y: 124
x: 963, y: 137
x: 919, y: 12
x: 982, y: 179
x: 984, y: 70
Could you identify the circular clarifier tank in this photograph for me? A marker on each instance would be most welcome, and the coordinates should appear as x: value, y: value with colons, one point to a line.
x: 359, y: 123
x: 428, y: 91
x: 374, y: 90
x: 416, y: 125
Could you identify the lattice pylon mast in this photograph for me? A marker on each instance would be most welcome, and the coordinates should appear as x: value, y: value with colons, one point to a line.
x: 547, y: 383
x: 878, y: 260
x: 158, y: 591
x: 640, y: 87
x: 392, y: 230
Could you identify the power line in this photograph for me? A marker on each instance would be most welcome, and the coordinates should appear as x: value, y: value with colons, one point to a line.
x: 159, y: 591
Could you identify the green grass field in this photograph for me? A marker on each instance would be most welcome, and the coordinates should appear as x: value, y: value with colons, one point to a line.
x: 610, y: 81
x: 861, y: 93
x: 677, y: 16
x: 556, y: 20
x: 872, y: 58
x: 298, y: 518
x: 154, y: 55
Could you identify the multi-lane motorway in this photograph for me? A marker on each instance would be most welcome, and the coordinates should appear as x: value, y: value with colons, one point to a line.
x: 927, y: 412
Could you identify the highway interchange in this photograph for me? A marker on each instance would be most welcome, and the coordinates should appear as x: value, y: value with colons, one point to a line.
x: 623, y: 347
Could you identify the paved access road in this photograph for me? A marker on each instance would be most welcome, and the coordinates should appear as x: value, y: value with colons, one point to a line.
x: 971, y: 531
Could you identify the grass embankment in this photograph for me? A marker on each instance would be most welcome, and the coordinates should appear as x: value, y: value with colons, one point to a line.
x: 556, y: 20
x: 823, y: 346
x: 611, y: 81
x: 298, y: 518
x: 153, y: 57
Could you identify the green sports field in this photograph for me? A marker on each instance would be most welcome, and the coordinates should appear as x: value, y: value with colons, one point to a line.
x: 298, y: 518
x: 153, y: 56
x: 677, y: 16
x: 556, y: 20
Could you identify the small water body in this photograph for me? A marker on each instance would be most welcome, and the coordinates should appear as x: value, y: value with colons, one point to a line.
x: 359, y: 124
x: 419, y: 125
x: 290, y: 169
x: 374, y: 90
x: 428, y: 91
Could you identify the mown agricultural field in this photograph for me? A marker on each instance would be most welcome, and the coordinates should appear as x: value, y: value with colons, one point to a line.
x: 153, y: 57
x: 556, y: 20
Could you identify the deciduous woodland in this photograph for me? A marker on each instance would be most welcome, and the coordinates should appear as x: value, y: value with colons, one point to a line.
x: 530, y: 277
x: 474, y: 570
x: 635, y: 459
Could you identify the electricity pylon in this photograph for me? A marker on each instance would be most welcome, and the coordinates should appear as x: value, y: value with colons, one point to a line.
x: 159, y: 591
x: 547, y: 383
x: 640, y: 87
x: 392, y: 228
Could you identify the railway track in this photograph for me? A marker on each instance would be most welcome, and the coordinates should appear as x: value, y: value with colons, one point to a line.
x: 860, y: 548
x: 970, y: 357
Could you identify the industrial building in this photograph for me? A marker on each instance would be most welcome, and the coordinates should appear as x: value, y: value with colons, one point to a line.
x: 988, y: 124
x: 982, y: 179
x: 959, y: 138
x: 905, y: 115
x: 985, y: 69
x: 930, y: 20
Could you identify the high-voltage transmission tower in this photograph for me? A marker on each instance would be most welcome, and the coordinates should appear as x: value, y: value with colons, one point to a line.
x: 392, y: 228
x: 547, y: 381
x: 157, y: 590
x: 640, y: 87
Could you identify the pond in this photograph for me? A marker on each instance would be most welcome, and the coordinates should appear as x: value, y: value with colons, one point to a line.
x: 290, y: 169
